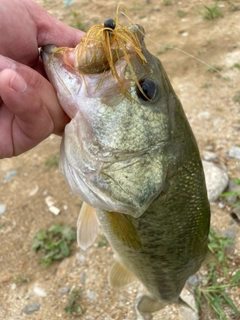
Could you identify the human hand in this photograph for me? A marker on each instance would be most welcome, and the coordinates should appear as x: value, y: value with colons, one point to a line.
x: 29, y: 108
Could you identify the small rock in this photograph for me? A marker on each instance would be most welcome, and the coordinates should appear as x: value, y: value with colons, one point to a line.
x: 3, y: 209
x: 64, y: 291
x: 221, y: 205
x: 34, y: 191
x: 13, y: 286
x: 83, y: 277
x: 235, y: 214
x: 64, y: 267
x: 30, y: 308
x: 193, y: 280
x: 54, y: 210
x: 91, y: 294
x: 10, y: 175
x: 122, y: 298
x: 216, y: 180
x: 235, y: 152
x: 209, y: 156
x: 233, y: 187
x: 80, y: 257
x: 217, y: 121
x: 49, y: 201
x: 229, y: 233
x: 186, y: 313
x: 204, y: 115
x: 39, y: 292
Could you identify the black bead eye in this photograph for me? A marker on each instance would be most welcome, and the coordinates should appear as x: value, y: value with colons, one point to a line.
x: 149, y: 88
x: 109, y: 23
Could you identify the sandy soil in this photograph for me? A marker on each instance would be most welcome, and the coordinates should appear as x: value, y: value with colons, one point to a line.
x: 208, y: 100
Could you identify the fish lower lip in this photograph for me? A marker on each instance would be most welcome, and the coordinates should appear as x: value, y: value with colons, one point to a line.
x: 48, y: 48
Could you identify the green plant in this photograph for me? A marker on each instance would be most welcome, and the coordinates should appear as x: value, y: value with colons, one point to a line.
x: 214, y: 68
x: 54, y: 243
x: 102, y: 242
x: 52, y: 161
x: 233, y: 193
x: 236, y: 65
x: 236, y: 98
x: 215, y: 291
x: 20, y: 279
x: 77, y: 21
x: 165, y: 48
x: 211, y: 12
x: 73, y: 306
x: 181, y: 13
x: 2, y: 225
x: 167, y: 2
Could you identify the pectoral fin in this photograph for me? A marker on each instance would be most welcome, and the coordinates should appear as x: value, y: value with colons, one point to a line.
x: 123, y: 228
x: 87, y: 226
x: 119, y: 276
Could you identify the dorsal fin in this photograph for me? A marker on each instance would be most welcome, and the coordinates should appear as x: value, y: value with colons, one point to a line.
x: 87, y: 226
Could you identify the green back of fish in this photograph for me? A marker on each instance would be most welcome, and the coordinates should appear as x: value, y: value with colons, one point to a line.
x: 168, y: 243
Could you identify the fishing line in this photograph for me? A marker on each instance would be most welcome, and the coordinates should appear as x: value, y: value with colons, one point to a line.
x: 174, y: 48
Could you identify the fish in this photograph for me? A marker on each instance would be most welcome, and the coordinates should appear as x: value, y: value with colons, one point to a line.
x: 130, y: 154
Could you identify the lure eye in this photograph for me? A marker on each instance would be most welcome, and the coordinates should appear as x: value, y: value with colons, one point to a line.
x: 150, y: 89
x: 109, y: 23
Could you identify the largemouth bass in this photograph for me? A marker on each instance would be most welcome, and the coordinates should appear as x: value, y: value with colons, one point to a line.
x: 129, y: 153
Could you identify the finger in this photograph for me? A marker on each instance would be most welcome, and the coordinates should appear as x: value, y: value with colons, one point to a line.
x: 51, y: 30
x: 39, y: 85
x: 31, y: 122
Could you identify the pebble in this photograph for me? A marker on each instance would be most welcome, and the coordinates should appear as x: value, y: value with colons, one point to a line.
x: 193, y: 280
x: 54, y: 210
x: 64, y: 267
x: 233, y: 187
x: 3, y: 209
x: 209, y: 156
x: 51, y: 207
x: 216, y: 180
x: 10, y: 175
x: 230, y: 233
x: 80, y: 257
x: 13, y: 286
x: 186, y: 313
x: 39, y: 292
x: 204, y: 115
x: 83, y: 277
x: 235, y: 214
x: 34, y: 191
x: 49, y: 201
x: 30, y: 308
x: 235, y: 152
x: 63, y: 291
x: 91, y: 294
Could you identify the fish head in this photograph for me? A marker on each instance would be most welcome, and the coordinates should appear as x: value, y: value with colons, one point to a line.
x: 112, y: 152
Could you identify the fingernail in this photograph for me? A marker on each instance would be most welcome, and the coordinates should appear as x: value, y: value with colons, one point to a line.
x: 18, y: 84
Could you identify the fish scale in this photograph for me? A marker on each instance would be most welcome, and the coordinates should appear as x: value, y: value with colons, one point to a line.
x: 131, y: 155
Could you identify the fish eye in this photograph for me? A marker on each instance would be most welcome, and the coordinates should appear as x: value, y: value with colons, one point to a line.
x: 150, y: 89
x: 109, y: 23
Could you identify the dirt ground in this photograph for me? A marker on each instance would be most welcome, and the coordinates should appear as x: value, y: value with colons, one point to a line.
x: 214, y: 114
